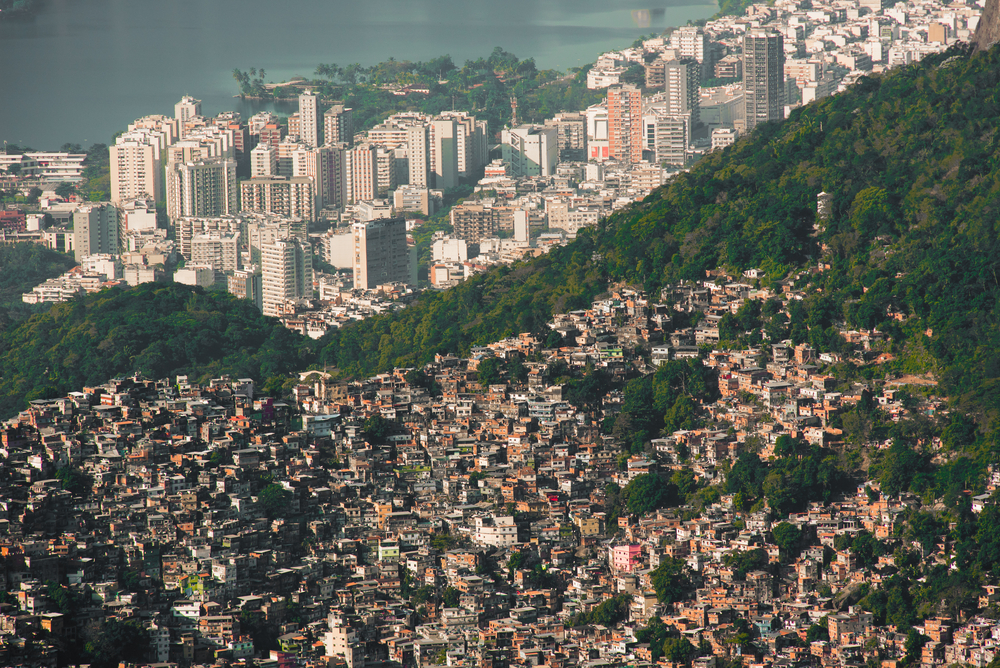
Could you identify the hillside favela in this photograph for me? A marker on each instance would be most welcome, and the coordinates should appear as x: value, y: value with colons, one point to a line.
x: 688, y: 357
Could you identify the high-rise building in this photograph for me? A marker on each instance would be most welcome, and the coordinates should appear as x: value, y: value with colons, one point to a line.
x: 381, y: 254
x: 201, y: 188
x: 692, y: 42
x: 419, y: 155
x: 362, y: 173
x: 682, y: 87
x: 571, y: 128
x: 247, y: 284
x: 531, y: 150
x: 286, y: 151
x: 188, y: 228
x: 286, y: 273
x: 309, y: 118
x: 338, y: 125
x: 95, y: 230
x: 272, y: 133
x: 292, y: 197
x: 264, y: 160
x: 597, y: 132
x: 230, y: 120
x: 763, y: 77
x: 137, y: 165
x: 471, y: 142
x: 444, y: 152
x: 473, y: 222
x: 667, y: 136
x: 218, y: 250
x: 625, y: 123
x: 186, y: 109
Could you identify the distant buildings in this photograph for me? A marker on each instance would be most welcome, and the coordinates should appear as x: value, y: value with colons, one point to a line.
x: 287, y: 273
x: 201, y: 188
x: 290, y: 197
x: 764, y: 77
x: 185, y: 110
x: 338, y: 125
x: 95, y: 230
x: 309, y: 118
x: 531, y: 150
x: 625, y: 123
x: 381, y: 254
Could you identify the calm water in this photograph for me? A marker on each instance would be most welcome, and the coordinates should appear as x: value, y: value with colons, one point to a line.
x: 83, y: 69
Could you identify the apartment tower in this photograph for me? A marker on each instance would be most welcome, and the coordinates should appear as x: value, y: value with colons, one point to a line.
x: 309, y: 118
x: 625, y: 124
x: 287, y: 273
x: 763, y: 77
x: 381, y: 254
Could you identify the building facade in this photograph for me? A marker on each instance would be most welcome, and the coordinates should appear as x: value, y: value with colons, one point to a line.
x: 381, y: 254
x: 763, y: 77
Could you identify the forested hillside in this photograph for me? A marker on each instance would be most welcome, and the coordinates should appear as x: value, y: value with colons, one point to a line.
x: 23, y: 266
x: 909, y: 158
x: 154, y: 329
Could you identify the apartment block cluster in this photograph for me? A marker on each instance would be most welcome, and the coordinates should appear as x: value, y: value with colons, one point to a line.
x: 390, y: 548
x: 772, y: 59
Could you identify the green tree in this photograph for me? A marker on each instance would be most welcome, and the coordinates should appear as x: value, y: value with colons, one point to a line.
x: 788, y: 538
x: 672, y: 580
x: 450, y: 597
x: 648, y: 492
x: 75, y: 481
x: 273, y: 499
x: 118, y: 641
x: 490, y: 371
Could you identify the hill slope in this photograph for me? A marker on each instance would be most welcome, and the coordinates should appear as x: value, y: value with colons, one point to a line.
x: 159, y: 330
x: 23, y: 266
x: 909, y: 157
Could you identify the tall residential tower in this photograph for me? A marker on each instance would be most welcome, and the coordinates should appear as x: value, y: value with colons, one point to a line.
x: 763, y: 77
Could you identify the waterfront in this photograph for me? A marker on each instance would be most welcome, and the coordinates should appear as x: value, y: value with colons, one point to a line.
x: 82, y: 69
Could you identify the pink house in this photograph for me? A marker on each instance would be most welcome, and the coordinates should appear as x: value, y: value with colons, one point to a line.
x: 624, y: 558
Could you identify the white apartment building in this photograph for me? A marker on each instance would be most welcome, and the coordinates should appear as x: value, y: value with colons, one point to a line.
x: 202, y: 188
x: 95, y: 230
x: 286, y: 274
x: 185, y: 110
x: 309, y: 118
x: 289, y: 197
x: 263, y: 161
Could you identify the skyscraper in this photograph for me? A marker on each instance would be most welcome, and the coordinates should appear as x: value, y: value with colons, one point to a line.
x: 681, y: 84
x: 287, y: 273
x: 264, y: 160
x: 137, y: 159
x: 201, y: 188
x: 187, y: 108
x: 763, y: 77
x: 95, y: 230
x: 292, y: 198
x: 692, y: 42
x: 625, y: 123
x: 362, y: 173
x: 338, y: 125
x: 380, y: 253
x: 444, y: 152
x: 309, y: 118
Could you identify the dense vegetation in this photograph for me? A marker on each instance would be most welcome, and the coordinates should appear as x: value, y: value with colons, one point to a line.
x: 23, y: 266
x: 153, y: 329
